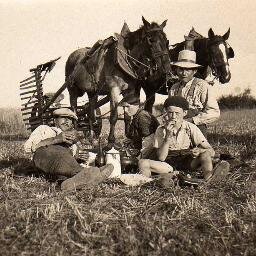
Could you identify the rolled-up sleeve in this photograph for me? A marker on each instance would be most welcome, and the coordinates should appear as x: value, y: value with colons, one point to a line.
x: 42, y: 132
x: 211, y: 111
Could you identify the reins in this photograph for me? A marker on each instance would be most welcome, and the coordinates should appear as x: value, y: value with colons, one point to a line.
x: 128, y: 55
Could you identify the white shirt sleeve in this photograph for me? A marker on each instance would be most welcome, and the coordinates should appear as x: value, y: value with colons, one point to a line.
x: 42, y: 132
x: 211, y: 111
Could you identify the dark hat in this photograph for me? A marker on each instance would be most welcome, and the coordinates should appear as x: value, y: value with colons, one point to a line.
x: 176, y: 101
x: 131, y: 100
x: 66, y: 112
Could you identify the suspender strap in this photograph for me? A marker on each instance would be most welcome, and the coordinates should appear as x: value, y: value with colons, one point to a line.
x: 192, y: 88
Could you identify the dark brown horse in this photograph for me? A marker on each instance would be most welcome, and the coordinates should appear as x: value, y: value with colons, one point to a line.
x: 212, y: 52
x: 145, y: 53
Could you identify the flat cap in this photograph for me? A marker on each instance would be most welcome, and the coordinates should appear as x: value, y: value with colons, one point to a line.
x: 176, y: 101
x: 66, y: 112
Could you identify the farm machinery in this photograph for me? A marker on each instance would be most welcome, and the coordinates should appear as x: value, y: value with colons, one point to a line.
x: 37, y: 106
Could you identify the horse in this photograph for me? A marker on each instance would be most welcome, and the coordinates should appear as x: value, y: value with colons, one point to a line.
x: 213, y: 52
x: 96, y: 71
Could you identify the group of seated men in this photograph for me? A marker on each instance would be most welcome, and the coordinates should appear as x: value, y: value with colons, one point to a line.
x: 189, y: 107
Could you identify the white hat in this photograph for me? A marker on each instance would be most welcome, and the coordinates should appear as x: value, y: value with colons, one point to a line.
x: 65, y: 112
x: 186, y: 59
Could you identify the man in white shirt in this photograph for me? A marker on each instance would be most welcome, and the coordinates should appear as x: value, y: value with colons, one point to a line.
x: 54, y: 148
x: 203, y: 106
x: 179, y: 144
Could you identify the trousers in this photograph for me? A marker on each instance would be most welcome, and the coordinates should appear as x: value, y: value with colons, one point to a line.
x: 56, y: 160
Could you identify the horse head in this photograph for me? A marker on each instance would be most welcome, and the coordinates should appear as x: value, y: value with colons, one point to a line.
x: 150, y: 46
x: 219, y: 52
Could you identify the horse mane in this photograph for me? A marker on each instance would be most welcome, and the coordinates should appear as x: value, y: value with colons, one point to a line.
x: 201, y: 48
x: 134, y: 37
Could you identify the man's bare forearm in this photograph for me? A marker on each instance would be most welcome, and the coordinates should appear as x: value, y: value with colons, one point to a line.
x: 162, y: 152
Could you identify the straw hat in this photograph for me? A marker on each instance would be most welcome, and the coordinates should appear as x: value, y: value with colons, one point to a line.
x: 186, y: 59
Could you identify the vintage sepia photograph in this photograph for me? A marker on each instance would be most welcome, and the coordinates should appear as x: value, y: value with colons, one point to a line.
x: 127, y: 127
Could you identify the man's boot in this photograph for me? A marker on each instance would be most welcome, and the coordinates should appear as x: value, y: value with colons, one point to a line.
x: 88, y: 177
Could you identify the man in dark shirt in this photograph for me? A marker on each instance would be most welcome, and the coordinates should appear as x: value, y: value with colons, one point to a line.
x: 139, y: 123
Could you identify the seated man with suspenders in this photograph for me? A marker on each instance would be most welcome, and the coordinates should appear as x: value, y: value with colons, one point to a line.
x: 179, y: 144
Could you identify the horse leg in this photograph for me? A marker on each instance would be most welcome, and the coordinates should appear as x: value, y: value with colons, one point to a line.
x: 93, y: 98
x: 114, y: 99
x: 73, y: 99
x: 73, y: 102
x: 150, y: 100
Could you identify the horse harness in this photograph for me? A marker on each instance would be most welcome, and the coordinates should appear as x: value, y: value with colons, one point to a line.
x: 135, y: 64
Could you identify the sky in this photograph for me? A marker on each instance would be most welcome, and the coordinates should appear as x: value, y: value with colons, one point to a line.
x: 36, y: 31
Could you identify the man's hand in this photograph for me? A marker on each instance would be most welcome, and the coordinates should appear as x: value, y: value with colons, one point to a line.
x: 82, y: 155
x: 169, y: 129
x: 69, y: 137
x: 197, y: 151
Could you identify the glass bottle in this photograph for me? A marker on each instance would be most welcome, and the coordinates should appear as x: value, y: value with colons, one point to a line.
x: 100, y: 158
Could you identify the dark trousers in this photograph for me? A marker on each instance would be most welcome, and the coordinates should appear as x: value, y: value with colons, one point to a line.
x: 56, y: 160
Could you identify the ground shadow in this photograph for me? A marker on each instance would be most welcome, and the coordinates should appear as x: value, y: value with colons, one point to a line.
x: 20, y: 166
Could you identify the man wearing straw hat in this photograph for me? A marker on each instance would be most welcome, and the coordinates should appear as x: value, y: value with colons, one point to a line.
x: 203, y: 106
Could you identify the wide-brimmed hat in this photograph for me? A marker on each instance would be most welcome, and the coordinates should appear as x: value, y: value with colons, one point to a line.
x: 65, y: 112
x: 186, y: 59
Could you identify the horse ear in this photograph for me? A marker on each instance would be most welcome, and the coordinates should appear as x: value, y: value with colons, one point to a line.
x: 163, y: 24
x: 226, y: 35
x: 211, y: 33
x: 231, y: 53
x: 145, y: 22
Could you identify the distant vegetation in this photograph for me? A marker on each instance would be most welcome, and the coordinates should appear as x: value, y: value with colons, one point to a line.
x: 243, y: 100
x: 11, y: 124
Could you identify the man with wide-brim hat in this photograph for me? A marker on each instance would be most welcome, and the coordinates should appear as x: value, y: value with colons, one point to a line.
x: 54, y: 151
x: 203, y: 106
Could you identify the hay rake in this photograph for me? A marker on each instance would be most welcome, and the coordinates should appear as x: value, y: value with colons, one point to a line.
x: 37, y: 109
x: 32, y: 96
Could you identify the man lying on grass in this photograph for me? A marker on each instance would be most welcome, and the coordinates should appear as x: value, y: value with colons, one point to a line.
x: 179, y: 144
x: 53, y: 151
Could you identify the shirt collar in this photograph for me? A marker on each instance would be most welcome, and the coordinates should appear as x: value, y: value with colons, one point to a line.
x: 188, y: 83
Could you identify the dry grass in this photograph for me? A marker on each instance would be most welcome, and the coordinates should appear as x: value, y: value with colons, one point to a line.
x: 112, y: 219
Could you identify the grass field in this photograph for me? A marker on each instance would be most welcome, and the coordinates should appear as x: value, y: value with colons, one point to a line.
x: 36, y: 218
